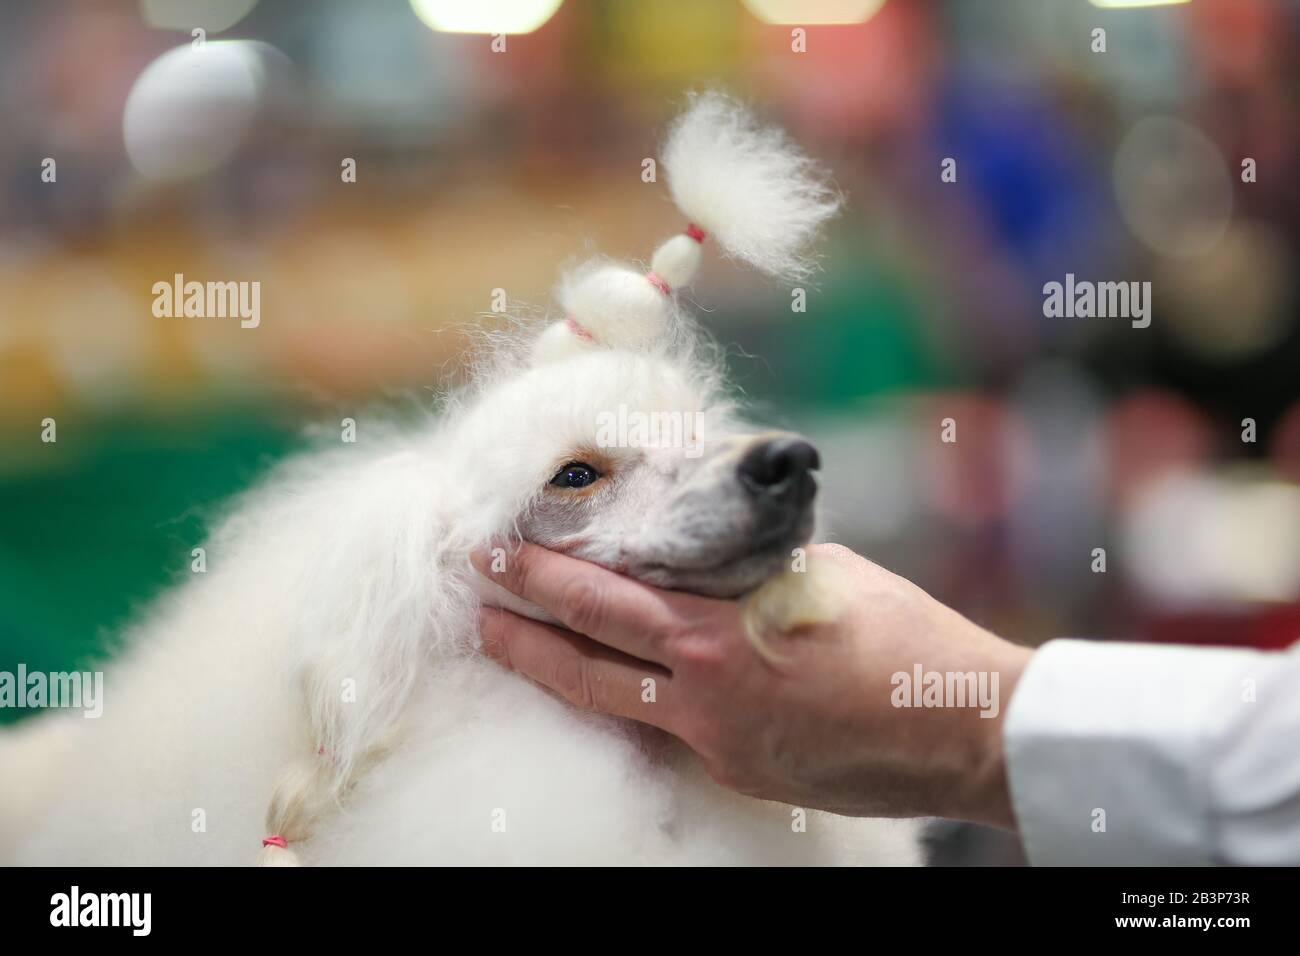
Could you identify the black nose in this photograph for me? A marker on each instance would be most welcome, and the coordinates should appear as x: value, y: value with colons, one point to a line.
x: 779, y: 466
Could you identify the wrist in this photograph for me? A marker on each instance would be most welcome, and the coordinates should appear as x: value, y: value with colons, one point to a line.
x: 986, y: 799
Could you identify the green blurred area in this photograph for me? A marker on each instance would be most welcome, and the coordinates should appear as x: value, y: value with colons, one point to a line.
x: 867, y: 333
x: 107, y: 520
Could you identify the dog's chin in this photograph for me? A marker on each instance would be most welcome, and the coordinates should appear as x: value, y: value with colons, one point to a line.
x: 725, y: 574
x: 729, y: 580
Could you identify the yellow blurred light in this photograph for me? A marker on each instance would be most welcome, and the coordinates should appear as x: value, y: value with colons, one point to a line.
x: 485, y: 16
x: 1124, y: 4
x: 806, y: 12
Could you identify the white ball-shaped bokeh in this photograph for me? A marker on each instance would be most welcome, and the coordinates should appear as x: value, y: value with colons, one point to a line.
x: 191, y: 109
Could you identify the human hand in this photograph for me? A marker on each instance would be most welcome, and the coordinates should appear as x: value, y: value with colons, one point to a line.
x: 819, y: 725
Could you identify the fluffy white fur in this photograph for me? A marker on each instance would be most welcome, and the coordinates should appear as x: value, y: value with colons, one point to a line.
x: 322, y: 681
x: 614, y: 303
x: 748, y: 186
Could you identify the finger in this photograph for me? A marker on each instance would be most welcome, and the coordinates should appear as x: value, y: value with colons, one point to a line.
x: 608, y: 607
x: 587, y: 674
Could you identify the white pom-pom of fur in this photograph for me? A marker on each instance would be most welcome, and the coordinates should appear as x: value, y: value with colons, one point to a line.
x: 748, y: 186
x: 615, y: 304
x: 677, y: 260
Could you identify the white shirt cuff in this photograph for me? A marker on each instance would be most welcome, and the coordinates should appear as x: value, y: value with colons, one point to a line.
x: 1109, y: 750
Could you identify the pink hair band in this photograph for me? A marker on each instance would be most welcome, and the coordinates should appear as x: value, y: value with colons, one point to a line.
x: 276, y: 840
x: 659, y: 283
x: 578, y: 329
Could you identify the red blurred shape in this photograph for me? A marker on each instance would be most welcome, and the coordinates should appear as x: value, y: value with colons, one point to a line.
x: 970, y: 479
x: 1148, y: 434
x: 1285, y: 447
x: 873, y: 77
x: 1272, y: 627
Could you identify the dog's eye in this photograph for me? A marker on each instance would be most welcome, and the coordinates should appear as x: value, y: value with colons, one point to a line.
x: 575, y: 475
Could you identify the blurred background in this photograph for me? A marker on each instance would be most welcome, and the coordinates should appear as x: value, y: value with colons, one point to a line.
x: 1107, y: 481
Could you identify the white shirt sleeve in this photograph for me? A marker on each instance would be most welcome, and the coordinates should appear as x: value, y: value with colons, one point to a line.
x: 1143, y: 754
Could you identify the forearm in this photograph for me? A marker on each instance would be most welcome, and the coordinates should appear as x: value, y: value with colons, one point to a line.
x: 986, y: 797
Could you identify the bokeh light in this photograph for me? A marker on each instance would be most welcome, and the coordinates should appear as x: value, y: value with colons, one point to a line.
x: 1237, y: 302
x: 1130, y: 4
x: 485, y: 16
x: 814, y: 12
x: 1172, y: 186
x: 1210, y: 540
x: 191, y: 109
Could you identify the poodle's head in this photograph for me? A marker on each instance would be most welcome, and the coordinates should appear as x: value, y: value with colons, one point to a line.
x: 614, y: 433
x: 634, y: 460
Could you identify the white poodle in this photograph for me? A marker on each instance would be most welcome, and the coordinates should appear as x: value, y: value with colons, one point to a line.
x: 317, y: 696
